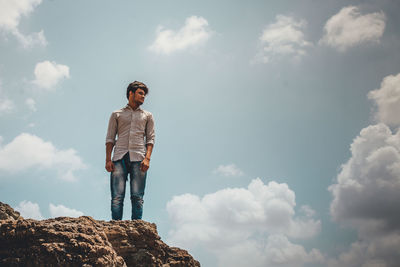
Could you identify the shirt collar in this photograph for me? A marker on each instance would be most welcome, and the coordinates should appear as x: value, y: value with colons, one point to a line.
x: 129, y: 107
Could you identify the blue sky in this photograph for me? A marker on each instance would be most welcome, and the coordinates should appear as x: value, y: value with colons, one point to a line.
x: 277, y: 138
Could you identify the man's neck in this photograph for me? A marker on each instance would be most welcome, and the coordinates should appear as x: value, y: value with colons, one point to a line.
x: 133, y: 105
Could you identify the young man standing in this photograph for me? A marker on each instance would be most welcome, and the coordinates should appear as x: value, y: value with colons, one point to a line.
x: 135, y: 129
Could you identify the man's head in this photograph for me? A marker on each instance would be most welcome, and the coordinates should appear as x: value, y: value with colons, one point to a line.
x: 134, y: 86
x: 136, y: 93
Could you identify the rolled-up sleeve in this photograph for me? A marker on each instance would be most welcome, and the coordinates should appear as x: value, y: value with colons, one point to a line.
x: 112, y: 129
x: 150, y: 135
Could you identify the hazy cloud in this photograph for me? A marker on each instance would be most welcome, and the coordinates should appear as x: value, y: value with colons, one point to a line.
x: 31, y: 104
x: 27, y: 41
x: 230, y: 170
x: 307, y: 211
x: 6, y: 105
x: 349, y: 28
x: 381, y: 251
x: 239, y: 223
x: 11, y: 12
x: 49, y: 74
x: 284, y: 37
x: 62, y: 211
x: 29, y: 151
x: 29, y: 210
x: 387, y: 99
x: 194, y: 32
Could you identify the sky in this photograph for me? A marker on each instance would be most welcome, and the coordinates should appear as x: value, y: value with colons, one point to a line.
x: 277, y: 122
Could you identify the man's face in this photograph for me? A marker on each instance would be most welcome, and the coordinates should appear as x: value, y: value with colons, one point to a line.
x: 137, y: 97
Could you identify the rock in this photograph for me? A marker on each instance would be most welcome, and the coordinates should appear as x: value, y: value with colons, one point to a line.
x: 84, y: 241
x: 8, y: 213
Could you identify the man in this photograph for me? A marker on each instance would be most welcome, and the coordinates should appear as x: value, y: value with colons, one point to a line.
x: 135, y: 129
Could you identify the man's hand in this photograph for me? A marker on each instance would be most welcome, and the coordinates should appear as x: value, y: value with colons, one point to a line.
x: 145, y: 164
x: 109, y: 163
x: 110, y: 166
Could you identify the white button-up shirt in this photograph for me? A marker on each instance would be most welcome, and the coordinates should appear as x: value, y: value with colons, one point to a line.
x: 135, y: 130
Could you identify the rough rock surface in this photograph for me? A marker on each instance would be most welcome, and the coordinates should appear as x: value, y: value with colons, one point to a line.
x: 83, y: 241
x: 8, y: 213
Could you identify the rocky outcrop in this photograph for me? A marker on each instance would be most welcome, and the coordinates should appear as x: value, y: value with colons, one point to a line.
x: 86, y: 242
x: 8, y: 213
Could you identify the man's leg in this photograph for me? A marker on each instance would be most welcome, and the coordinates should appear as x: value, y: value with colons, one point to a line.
x: 138, y: 183
x: 117, y: 183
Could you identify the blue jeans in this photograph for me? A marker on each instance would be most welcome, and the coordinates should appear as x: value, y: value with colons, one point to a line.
x: 118, y: 179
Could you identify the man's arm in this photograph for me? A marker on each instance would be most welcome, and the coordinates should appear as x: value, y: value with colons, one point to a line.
x: 109, y: 163
x: 144, y: 166
x: 110, y: 140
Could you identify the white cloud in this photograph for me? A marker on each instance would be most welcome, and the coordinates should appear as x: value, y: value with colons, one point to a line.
x: 49, y: 74
x: 194, y: 32
x: 366, y: 197
x: 284, y: 37
x: 230, y: 170
x: 62, y: 211
x: 349, y: 28
x: 31, y: 104
x: 29, y: 151
x: 387, y: 99
x: 29, y: 210
x: 11, y: 12
x: 241, y: 223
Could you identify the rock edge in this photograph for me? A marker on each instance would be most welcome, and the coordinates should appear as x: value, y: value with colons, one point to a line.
x: 84, y: 241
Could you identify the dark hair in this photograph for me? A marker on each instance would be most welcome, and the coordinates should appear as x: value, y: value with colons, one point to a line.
x: 136, y: 85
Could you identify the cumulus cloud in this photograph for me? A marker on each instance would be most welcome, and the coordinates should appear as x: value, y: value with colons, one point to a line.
x: 29, y: 151
x: 366, y: 197
x: 278, y: 251
x: 284, y: 37
x: 241, y: 223
x: 31, y: 104
x: 194, y: 32
x: 387, y: 99
x: 62, y: 211
x: 29, y: 210
x: 49, y: 74
x: 366, y: 194
x: 11, y: 12
x: 349, y: 28
x: 230, y: 170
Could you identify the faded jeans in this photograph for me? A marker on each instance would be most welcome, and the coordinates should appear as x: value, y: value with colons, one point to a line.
x: 118, y: 179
